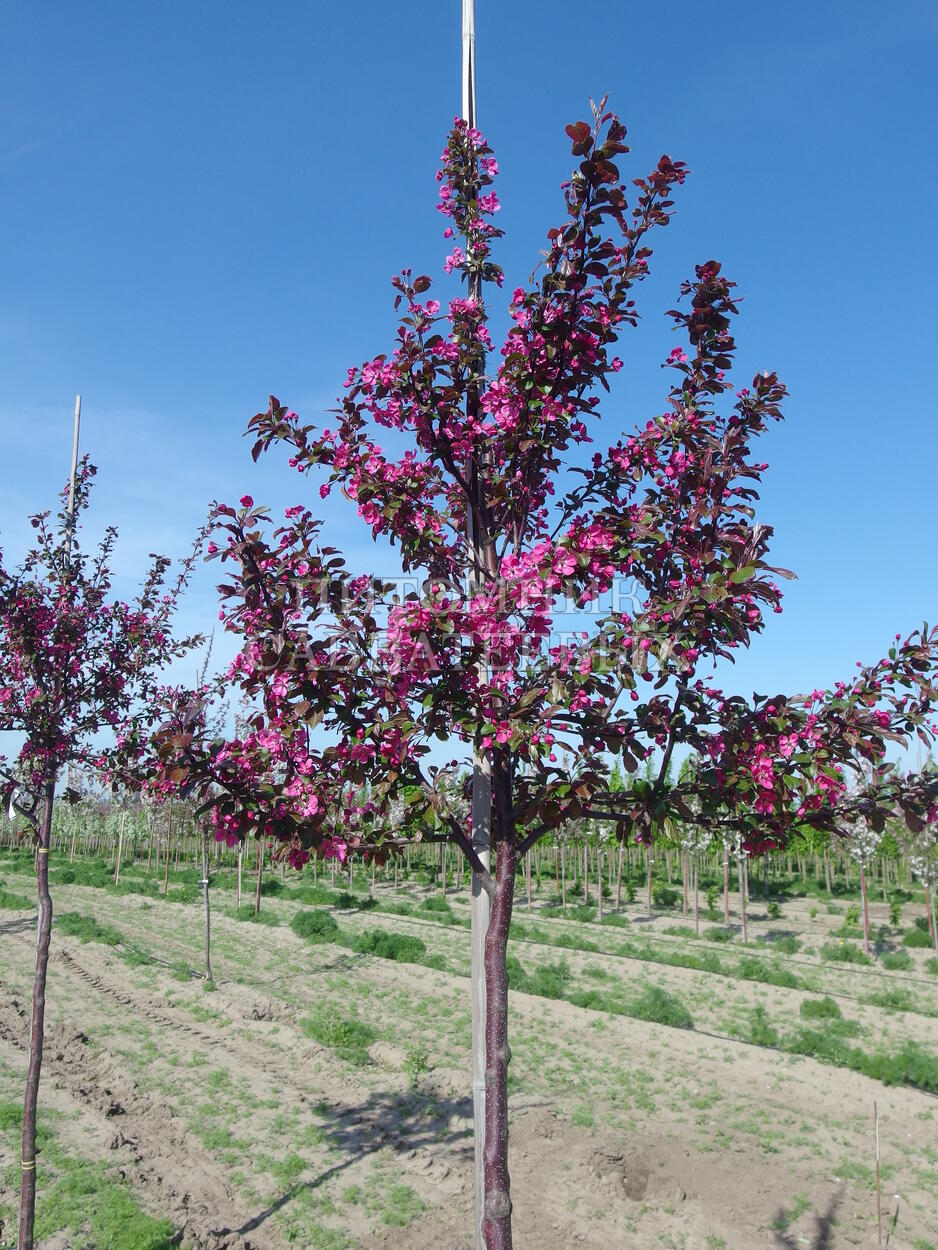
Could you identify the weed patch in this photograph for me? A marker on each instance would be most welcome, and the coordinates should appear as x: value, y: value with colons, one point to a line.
x: 348, y: 1036
x: 315, y: 926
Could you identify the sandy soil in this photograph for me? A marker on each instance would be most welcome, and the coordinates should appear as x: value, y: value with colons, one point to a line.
x: 227, y: 1118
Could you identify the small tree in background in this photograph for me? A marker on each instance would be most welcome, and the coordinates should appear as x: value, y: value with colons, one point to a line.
x: 78, y: 674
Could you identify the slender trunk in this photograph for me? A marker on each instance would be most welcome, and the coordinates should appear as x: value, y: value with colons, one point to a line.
x: 684, y: 875
x: 166, y: 849
x: 527, y: 877
x: 619, y: 879
x: 260, y: 870
x: 478, y: 929
x: 496, y: 1221
x: 866, y: 912
x: 696, y: 902
x: 930, y: 907
x: 37, y: 1025
x: 563, y: 879
x: 649, y: 879
x: 120, y: 847
x: 586, y: 873
x: 208, y: 915
x: 726, y: 886
x: 238, y: 897
x: 740, y: 869
x: 599, y: 878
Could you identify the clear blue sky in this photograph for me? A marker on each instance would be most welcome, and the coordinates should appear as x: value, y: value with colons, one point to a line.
x: 202, y: 203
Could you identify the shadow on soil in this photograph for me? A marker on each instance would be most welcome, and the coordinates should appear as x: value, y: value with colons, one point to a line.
x: 405, y: 1121
x: 18, y: 926
x: 824, y: 1226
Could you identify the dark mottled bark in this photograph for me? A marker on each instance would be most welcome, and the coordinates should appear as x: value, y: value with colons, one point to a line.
x: 37, y: 1025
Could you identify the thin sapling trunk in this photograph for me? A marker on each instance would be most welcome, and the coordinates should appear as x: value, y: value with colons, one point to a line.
x: 496, y: 1222
x: 36, y: 1027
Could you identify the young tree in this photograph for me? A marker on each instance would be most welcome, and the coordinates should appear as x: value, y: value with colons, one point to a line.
x: 353, y: 682
x: 77, y: 675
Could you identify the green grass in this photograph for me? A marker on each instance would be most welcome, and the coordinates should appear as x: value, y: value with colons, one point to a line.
x: 750, y: 969
x: 896, y: 998
x: 359, y: 902
x: 15, y: 902
x: 820, y: 1009
x: 844, y: 953
x: 547, y: 980
x: 401, y: 1206
x: 762, y: 1032
x: 917, y: 937
x: 348, y: 1036
x: 80, y: 1198
x: 896, y: 961
x: 798, y: 1208
x: 401, y: 947
x: 660, y: 1007
x: 315, y: 926
x: 910, y: 1065
x: 87, y: 929
x: 787, y: 945
x: 246, y: 913
x: 439, y: 908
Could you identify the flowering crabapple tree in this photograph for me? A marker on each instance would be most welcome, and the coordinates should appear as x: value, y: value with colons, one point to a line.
x: 485, y: 485
x: 77, y: 674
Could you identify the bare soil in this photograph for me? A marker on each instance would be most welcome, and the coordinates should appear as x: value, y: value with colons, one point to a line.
x: 226, y: 1117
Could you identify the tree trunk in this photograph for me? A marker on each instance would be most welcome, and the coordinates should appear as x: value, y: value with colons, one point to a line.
x: 166, y: 849
x: 238, y: 898
x: 740, y: 871
x: 36, y: 1028
x: 649, y: 879
x: 619, y: 878
x: 260, y: 872
x: 726, y: 886
x: 208, y: 915
x: 120, y: 847
x: 527, y: 877
x: 563, y: 879
x: 599, y: 879
x: 696, y: 902
x: 496, y: 1222
x: 866, y: 913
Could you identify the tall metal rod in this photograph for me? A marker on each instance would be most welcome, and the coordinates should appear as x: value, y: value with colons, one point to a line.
x: 481, y: 766
x: 70, y: 514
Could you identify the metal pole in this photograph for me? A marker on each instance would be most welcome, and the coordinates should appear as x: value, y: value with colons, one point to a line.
x: 70, y: 514
x: 481, y: 765
x: 469, y: 61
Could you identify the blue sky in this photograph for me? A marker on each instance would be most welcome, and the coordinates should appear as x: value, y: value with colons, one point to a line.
x: 205, y: 203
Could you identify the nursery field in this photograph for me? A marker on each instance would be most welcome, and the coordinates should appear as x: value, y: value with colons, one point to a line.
x: 668, y: 1088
